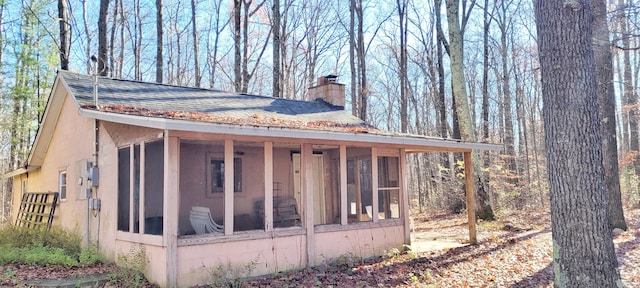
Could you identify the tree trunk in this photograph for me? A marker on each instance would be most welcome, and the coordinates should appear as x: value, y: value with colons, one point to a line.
x: 485, y: 78
x: 159, y: 41
x: 65, y: 33
x: 87, y: 50
x: 112, y: 38
x: 456, y: 56
x: 237, y: 40
x: 402, y: 15
x: 276, y: 48
x: 362, y: 65
x: 196, y: 49
x: 607, y: 110
x: 352, y: 58
x: 509, y: 139
x: 103, y: 69
x: 583, y: 251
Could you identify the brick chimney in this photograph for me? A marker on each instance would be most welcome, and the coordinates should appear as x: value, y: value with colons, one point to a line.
x: 328, y: 90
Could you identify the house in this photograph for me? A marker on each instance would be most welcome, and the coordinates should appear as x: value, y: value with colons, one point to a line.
x: 278, y: 183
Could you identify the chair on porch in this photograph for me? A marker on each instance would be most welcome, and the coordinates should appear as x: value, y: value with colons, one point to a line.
x: 201, y: 221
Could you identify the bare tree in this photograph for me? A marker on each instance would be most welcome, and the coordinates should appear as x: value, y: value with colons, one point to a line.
x: 103, y: 68
x: 159, y: 41
x: 196, y: 54
x: 275, y: 30
x: 461, y: 102
x: 65, y: 33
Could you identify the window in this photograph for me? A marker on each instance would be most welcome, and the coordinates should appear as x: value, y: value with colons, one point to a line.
x: 216, y: 175
x: 359, y: 184
x: 62, y: 185
x: 24, y: 187
x: 388, y: 187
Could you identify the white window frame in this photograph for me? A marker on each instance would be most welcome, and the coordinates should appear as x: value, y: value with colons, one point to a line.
x: 63, y: 196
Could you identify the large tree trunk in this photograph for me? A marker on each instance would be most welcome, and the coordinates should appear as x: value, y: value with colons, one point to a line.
x: 103, y: 68
x: 456, y: 57
x: 65, y: 33
x: 607, y: 110
x: 583, y: 251
x: 159, y: 41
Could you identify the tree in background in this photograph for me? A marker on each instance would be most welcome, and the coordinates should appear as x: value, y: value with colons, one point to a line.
x: 583, y: 251
x: 607, y: 110
x: 458, y: 84
x: 103, y: 68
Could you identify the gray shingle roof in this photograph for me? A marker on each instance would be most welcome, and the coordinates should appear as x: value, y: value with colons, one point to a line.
x: 186, y: 103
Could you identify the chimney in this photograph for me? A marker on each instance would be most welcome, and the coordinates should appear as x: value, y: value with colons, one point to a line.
x: 328, y: 90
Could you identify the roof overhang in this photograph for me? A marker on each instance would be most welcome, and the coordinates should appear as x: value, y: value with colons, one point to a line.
x: 19, y: 171
x: 413, y: 144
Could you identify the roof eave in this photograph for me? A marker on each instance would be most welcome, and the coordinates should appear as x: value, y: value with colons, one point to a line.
x: 413, y: 143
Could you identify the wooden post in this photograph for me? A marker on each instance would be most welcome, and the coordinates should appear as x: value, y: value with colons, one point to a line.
x: 374, y: 184
x: 171, y: 206
x: 228, y: 187
x: 268, y: 186
x: 405, y: 197
x: 307, y: 197
x: 141, y: 197
x: 471, y: 210
x: 344, y: 212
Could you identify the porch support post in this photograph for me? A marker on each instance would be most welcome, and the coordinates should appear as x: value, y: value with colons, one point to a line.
x: 268, y: 186
x: 307, y: 196
x: 228, y: 187
x: 344, y: 213
x: 170, y: 206
x: 405, y: 197
x: 374, y: 183
x: 471, y: 210
x: 141, y: 212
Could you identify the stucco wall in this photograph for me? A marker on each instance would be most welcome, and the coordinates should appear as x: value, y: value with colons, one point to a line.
x: 71, y: 146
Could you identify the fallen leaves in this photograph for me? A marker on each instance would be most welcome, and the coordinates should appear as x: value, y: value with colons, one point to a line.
x: 252, y: 120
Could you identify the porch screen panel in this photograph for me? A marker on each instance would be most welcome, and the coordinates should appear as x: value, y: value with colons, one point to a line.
x: 287, y: 186
x: 154, y: 187
x: 388, y: 187
x: 201, y: 172
x: 326, y: 194
x: 248, y: 185
x: 359, y: 184
x: 124, y: 204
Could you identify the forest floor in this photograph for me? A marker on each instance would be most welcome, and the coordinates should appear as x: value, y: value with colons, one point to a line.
x: 514, y: 251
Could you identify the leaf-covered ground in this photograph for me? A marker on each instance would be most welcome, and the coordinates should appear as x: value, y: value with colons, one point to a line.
x: 514, y: 251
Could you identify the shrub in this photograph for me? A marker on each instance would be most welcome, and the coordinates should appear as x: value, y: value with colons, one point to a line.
x: 45, y: 247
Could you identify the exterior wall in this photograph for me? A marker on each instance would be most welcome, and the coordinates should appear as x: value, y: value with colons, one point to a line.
x: 72, y: 144
x: 156, y: 268
x: 197, y: 262
x: 361, y: 241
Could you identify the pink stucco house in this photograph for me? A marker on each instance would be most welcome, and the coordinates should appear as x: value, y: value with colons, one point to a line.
x: 290, y: 183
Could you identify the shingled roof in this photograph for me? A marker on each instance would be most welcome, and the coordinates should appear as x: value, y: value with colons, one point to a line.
x: 197, y: 104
